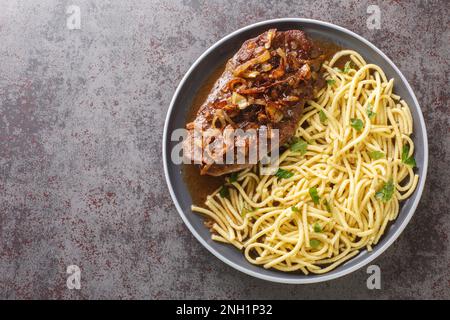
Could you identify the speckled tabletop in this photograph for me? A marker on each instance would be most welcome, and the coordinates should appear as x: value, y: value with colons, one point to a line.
x: 81, y: 120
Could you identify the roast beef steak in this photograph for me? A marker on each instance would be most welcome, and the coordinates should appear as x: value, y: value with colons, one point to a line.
x: 264, y: 87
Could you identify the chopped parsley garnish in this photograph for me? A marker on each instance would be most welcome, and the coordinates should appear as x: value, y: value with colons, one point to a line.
x: 317, y: 228
x: 410, y: 161
x: 314, y: 243
x: 356, y: 123
x: 233, y: 177
x: 370, y: 113
x: 327, y: 205
x: 347, y: 66
x: 314, y: 195
x: 224, y: 192
x: 284, y: 174
x: 386, y: 193
x: 323, y: 117
x: 299, y: 145
x: 375, y: 155
x: 295, y: 209
x: 331, y: 82
x: 245, y: 210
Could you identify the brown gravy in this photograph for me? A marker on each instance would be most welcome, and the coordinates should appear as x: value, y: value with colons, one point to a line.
x: 201, y: 186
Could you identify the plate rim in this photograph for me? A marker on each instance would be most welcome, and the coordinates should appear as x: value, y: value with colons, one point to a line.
x: 320, y: 277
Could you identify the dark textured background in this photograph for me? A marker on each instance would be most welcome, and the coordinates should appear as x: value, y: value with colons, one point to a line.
x: 81, y: 118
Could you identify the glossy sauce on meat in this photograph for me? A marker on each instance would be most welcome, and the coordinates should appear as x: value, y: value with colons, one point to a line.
x: 202, y: 185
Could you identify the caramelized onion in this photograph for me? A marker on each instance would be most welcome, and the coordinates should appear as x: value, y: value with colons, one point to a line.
x: 261, y: 102
x: 233, y: 82
x: 270, y: 35
x: 266, y: 67
x: 291, y: 99
x: 251, y: 74
x: 281, y: 53
x: 258, y: 60
x: 305, y: 72
x: 239, y: 100
x: 273, y: 112
x: 252, y: 90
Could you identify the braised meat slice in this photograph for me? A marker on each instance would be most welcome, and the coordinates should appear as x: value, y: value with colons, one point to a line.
x: 264, y: 87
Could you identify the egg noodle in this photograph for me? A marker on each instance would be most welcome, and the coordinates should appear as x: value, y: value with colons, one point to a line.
x: 338, y: 194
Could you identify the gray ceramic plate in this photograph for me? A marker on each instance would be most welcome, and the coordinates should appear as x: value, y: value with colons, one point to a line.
x: 216, y: 56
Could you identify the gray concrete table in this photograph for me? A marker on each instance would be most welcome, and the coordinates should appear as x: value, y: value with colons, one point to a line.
x: 81, y: 177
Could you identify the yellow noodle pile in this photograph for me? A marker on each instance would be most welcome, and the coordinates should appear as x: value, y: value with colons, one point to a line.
x: 277, y: 223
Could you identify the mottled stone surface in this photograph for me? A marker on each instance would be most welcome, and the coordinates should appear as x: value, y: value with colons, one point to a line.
x: 81, y: 121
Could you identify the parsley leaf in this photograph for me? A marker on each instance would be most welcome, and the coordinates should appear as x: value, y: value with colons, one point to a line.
x: 233, y: 177
x: 299, y: 145
x: 284, y: 174
x: 327, y: 205
x: 357, y: 124
x: 314, y: 243
x: 323, y: 117
x: 224, y: 192
x: 245, y: 210
x: 410, y: 161
x: 405, y: 152
x: 370, y: 113
x: 347, y: 66
x: 317, y: 228
x: 295, y: 209
x: 331, y: 82
x: 386, y: 193
x: 314, y: 195
x: 375, y: 155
